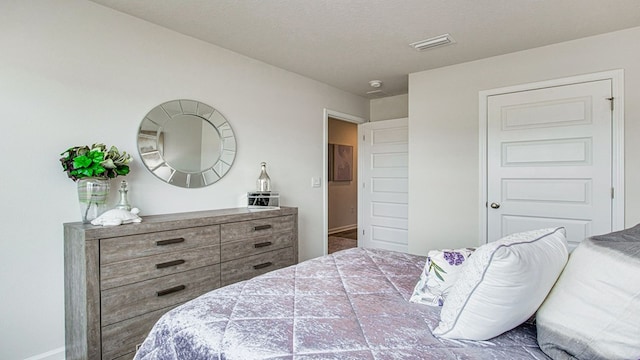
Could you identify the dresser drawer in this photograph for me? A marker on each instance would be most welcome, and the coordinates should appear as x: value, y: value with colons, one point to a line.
x: 248, y: 267
x: 127, y: 301
x: 256, y: 245
x: 123, y: 337
x: 255, y: 228
x: 151, y: 267
x: 135, y: 246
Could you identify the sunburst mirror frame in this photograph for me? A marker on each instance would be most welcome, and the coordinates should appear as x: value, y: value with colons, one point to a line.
x: 186, y: 143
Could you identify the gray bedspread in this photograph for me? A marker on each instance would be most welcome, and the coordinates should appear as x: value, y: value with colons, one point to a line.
x: 352, y: 304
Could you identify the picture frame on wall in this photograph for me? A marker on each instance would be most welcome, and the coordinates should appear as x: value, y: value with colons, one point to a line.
x: 340, y: 162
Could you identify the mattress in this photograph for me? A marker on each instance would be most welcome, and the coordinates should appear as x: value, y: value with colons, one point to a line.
x: 353, y: 304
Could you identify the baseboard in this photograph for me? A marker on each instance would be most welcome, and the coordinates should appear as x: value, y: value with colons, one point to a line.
x: 55, y: 354
x: 343, y: 228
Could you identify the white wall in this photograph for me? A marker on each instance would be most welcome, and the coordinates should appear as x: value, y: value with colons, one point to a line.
x: 73, y: 73
x: 443, y: 141
x: 391, y: 107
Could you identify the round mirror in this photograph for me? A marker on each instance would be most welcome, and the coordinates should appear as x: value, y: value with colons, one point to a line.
x: 186, y: 143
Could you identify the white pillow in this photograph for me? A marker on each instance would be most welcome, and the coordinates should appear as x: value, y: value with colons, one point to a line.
x: 502, y: 284
x: 593, y: 311
x: 440, y: 273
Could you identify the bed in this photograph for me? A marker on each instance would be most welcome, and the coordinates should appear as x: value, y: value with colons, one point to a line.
x: 352, y: 304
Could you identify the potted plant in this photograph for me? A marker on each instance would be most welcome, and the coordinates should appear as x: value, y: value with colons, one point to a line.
x: 91, y: 167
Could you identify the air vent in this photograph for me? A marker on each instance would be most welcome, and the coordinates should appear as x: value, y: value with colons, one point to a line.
x: 376, y: 94
x: 433, y: 42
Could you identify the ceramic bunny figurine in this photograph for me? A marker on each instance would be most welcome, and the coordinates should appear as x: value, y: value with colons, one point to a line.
x: 115, y: 217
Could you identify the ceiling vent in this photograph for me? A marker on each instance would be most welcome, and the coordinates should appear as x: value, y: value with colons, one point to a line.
x: 376, y: 94
x: 433, y: 42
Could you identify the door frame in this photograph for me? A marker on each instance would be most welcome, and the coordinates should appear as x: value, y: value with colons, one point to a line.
x: 617, y: 133
x: 327, y: 113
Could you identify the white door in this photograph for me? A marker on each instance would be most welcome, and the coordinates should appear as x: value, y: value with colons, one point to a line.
x: 549, y: 160
x: 384, y: 192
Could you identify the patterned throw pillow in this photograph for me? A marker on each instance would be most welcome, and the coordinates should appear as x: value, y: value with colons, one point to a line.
x: 440, y: 272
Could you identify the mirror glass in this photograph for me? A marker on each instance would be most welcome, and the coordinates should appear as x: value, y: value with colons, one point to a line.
x: 186, y: 143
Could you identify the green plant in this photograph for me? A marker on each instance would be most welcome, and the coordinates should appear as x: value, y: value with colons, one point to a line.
x: 95, y: 161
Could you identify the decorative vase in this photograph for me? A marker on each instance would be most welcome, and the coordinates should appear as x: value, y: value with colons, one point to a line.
x: 123, y: 204
x: 264, y: 181
x: 92, y: 194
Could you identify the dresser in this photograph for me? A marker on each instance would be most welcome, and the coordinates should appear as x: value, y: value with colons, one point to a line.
x: 120, y: 280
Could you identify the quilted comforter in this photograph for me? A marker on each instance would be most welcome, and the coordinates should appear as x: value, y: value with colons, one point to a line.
x: 352, y: 304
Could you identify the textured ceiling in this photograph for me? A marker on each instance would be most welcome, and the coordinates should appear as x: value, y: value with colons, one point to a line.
x: 347, y: 43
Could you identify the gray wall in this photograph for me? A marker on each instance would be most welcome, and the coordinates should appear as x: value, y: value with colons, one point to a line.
x: 72, y: 73
x: 392, y: 107
x: 444, y: 130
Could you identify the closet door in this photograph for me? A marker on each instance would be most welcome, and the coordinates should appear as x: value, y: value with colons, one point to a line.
x: 549, y: 160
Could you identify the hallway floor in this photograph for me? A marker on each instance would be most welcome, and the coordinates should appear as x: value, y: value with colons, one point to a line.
x: 343, y: 240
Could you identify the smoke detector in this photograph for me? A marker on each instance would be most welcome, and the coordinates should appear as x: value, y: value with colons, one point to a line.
x: 375, y: 83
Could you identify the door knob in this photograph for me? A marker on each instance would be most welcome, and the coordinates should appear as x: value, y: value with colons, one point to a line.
x: 495, y: 205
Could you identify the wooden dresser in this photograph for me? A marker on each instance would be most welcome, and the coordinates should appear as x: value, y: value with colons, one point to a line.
x: 120, y: 280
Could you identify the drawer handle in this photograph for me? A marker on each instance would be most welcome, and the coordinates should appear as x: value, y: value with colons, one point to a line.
x: 169, y: 263
x: 261, y: 227
x: 262, y: 244
x: 262, y: 266
x: 170, y: 290
x: 169, y: 242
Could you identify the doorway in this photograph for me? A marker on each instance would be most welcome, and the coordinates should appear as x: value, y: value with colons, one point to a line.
x: 342, y: 189
x: 553, y: 157
x: 341, y: 175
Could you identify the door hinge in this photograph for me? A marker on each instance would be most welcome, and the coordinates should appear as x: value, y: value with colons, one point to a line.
x: 613, y: 193
x: 362, y: 232
x: 611, y: 100
x: 363, y: 185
